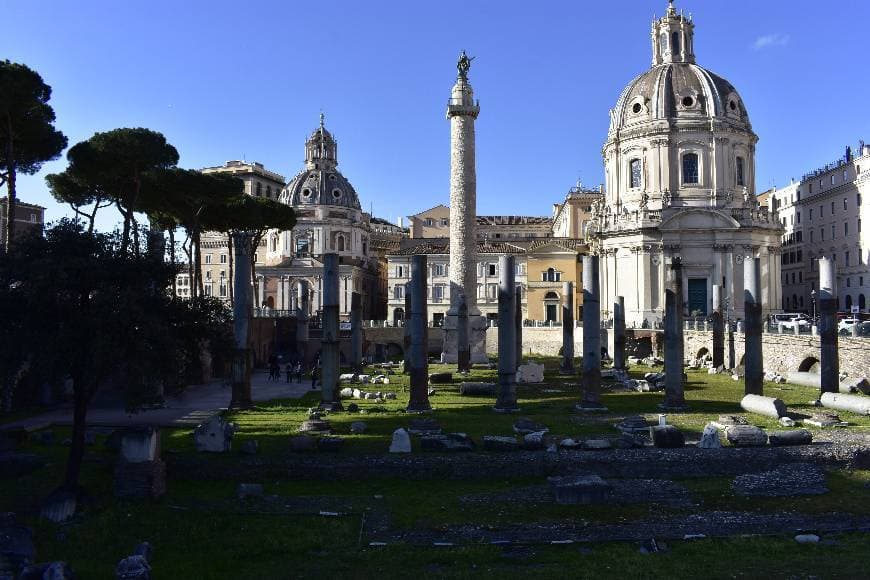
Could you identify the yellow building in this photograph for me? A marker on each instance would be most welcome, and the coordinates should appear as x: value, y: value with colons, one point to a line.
x: 550, y: 263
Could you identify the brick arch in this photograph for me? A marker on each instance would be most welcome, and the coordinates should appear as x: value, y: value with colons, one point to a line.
x: 704, y: 351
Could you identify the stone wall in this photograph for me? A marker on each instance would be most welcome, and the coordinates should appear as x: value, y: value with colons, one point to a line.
x: 783, y: 352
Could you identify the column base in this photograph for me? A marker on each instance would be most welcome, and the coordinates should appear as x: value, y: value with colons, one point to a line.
x: 419, y: 408
x: 477, y: 326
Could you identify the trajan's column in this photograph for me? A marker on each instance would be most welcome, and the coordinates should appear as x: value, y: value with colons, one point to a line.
x: 462, y: 110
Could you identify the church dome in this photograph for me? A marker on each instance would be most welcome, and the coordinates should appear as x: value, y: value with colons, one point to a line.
x: 676, y: 89
x: 320, y: 183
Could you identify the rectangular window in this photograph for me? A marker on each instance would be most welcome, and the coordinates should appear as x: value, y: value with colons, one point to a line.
x: 798, y: 217
x: 223, y: 290
x: 444, y: 222
x: 801, y: 277
x: 844, y: 203
x: 811, y: 236
x: 492, y: 291
x: 208, y: 289
x: 398, y: 292
x: 833, y: 231
x: 400, y: 271
x: 690, y: 168
x: 208, y: 258
x: 208, y: 274
x: 845, y: 175
x: 635, y: 173
x: 845, y: 228
x: 847, y: 257
x: 223, y: 258
x: 223, y: 273
x: 821, y: 211
x: 832, y: 208
x: 740, y: 178
x: 438, y: 293
x: 822, y: 233
x: 811, y: 215
x: 493, y: 269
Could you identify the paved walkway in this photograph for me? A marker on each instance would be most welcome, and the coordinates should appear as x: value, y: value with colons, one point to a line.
x: 188, y: 409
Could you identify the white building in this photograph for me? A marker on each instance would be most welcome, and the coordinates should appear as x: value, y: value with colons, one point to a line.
x: 680, y: 182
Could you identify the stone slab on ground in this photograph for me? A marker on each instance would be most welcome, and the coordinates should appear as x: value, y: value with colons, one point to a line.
x: 524, y: 426
x: 499, y: 443
x: 477, y: 389
x: 451, y: 442
x: 578, y: 489
x: 746, y: 436
x: 401, y: 441
x: 784, y: 481
x: 530, y: 373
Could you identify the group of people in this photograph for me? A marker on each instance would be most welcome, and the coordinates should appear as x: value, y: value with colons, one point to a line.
x: 292, y: 369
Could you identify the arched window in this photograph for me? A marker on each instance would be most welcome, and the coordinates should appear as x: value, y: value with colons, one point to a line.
x: 862, y: 302
x: 339, y: 242
x: 848, y: 301
x: 675, y: 43
x: 269, y: 191
x: 664, y: 43
x: 741, y: 179
x: 634, y: 167
x: 690, y: 168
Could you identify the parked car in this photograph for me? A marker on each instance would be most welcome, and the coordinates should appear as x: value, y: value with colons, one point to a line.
x: 845, y: 325
x: 790, y: 319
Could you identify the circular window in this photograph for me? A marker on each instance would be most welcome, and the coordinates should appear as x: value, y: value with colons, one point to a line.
x: 636, y: 108
x: 306, y: 192
x: 733, y: 105
x: 336, y: 193
x: 312, y: 177
x: 688, y: 101
x: 332, y: 176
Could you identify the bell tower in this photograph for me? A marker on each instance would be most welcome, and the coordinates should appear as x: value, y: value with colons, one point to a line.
x: 321, y: 150
x: 673, y: 38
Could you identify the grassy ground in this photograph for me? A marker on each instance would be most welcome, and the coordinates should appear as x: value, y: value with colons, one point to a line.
x: 198, y: 531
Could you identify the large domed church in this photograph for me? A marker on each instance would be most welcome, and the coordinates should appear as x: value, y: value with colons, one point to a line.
x: 680, y: 182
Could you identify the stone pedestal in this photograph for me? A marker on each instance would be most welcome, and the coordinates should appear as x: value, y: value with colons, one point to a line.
x: 140, y: 472
x: 519, y: 326
x: 418, y: 333
x: 591, y: 378
x: 329, y: 343
x: 567, y: 366
x: 753, y: 358
x: 829, y: 358
x: 476, y: 339
x: 507, y: 345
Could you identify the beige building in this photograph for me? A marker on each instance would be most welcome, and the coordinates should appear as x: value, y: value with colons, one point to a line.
x: 572, y: 217
x: 825, y: 215
x: 435, y: 223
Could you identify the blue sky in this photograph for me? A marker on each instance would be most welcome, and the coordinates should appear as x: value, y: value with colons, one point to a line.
x: 227, y: 80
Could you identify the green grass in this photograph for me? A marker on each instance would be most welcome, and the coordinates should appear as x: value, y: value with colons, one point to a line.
x: 199, y: 531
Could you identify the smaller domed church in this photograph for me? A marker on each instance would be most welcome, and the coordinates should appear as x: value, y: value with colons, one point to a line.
x: 680, y: 182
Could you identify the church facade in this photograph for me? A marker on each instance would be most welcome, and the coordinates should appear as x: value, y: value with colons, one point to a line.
x: 680, y: 183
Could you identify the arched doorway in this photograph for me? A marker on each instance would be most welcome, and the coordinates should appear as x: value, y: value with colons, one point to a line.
x: 862, y: 302
x: 270, y: 302
x: 810, y: 365
x: 702, y: 353
x: 398, y: 315
x: 551, y: 307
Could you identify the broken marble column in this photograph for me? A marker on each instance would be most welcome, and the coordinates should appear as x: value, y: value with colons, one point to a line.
x: 718, y: 328
x: 519, y: 326
x: 242, y: 313
x: 329, y: 343
x: 830, y: 357
x: 591, y: 378
x: 567, y: 366
x: 767, y: 406
x: 406, y: 331
x: 356, y: 333
x: 140, y: 473
x: 506, y: 400
x: 753, y: 358
x: 619, y: 334
x: 858, y: 404
x: 674, y: 388
x: 732, y: 352
x: 418, y: 331
x: 463, y: 346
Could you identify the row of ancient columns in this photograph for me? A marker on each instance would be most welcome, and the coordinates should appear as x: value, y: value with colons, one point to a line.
x: 288, y: 299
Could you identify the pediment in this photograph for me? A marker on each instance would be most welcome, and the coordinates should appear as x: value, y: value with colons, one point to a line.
x: 698, y: 219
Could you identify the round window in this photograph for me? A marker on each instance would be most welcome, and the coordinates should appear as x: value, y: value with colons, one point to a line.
x: 306, y: 192
x: 688, y: 101
x: 332, y: 176
x: 733, y: 105
x: 636, y: 108
x: 336, y: 193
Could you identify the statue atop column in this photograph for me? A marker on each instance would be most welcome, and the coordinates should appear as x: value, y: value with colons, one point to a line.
x: 463, y: 65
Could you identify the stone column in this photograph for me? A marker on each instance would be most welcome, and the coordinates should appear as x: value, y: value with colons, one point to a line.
x: 462, y: 111
x: 674, y: 346
x: 591, y: 378
x: 753, y: 358
x: 417, y: 325
x: 718, y: 328
x: 406, y: 334
x: 329, y: 350
x: 619, y: 334
x: 830, y: 358
x: 463, y: 347
x: 356, y: 333
x: 242, y: 312
x: 507, y: 341
x: 261, y: 290
x: 567, y: 366
x: 519, y: 327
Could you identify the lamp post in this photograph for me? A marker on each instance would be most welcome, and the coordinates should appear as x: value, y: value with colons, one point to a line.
x: 813, y: 302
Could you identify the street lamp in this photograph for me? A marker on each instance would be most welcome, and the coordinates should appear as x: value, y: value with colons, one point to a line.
x: 813, y: 302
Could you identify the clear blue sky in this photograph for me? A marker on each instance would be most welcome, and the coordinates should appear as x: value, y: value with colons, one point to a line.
x: 226, y: 80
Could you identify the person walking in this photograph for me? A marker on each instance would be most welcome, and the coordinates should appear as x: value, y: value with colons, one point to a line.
x: 315, y: 374
x: 298, y: 370
x: 289, y: 370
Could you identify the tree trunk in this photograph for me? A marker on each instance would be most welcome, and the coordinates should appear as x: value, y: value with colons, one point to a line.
x: 10, y: 184
x: 197, y: 261
x: 172, y: 261
x: 156, y: 240
x: 187, y: 248
x: 81, y: 396
x: 232, y: 264
x: 125, y: 232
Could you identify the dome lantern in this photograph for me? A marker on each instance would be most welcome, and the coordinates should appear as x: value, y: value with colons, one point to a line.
x: 321, y: 150
x: 673, y: 38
